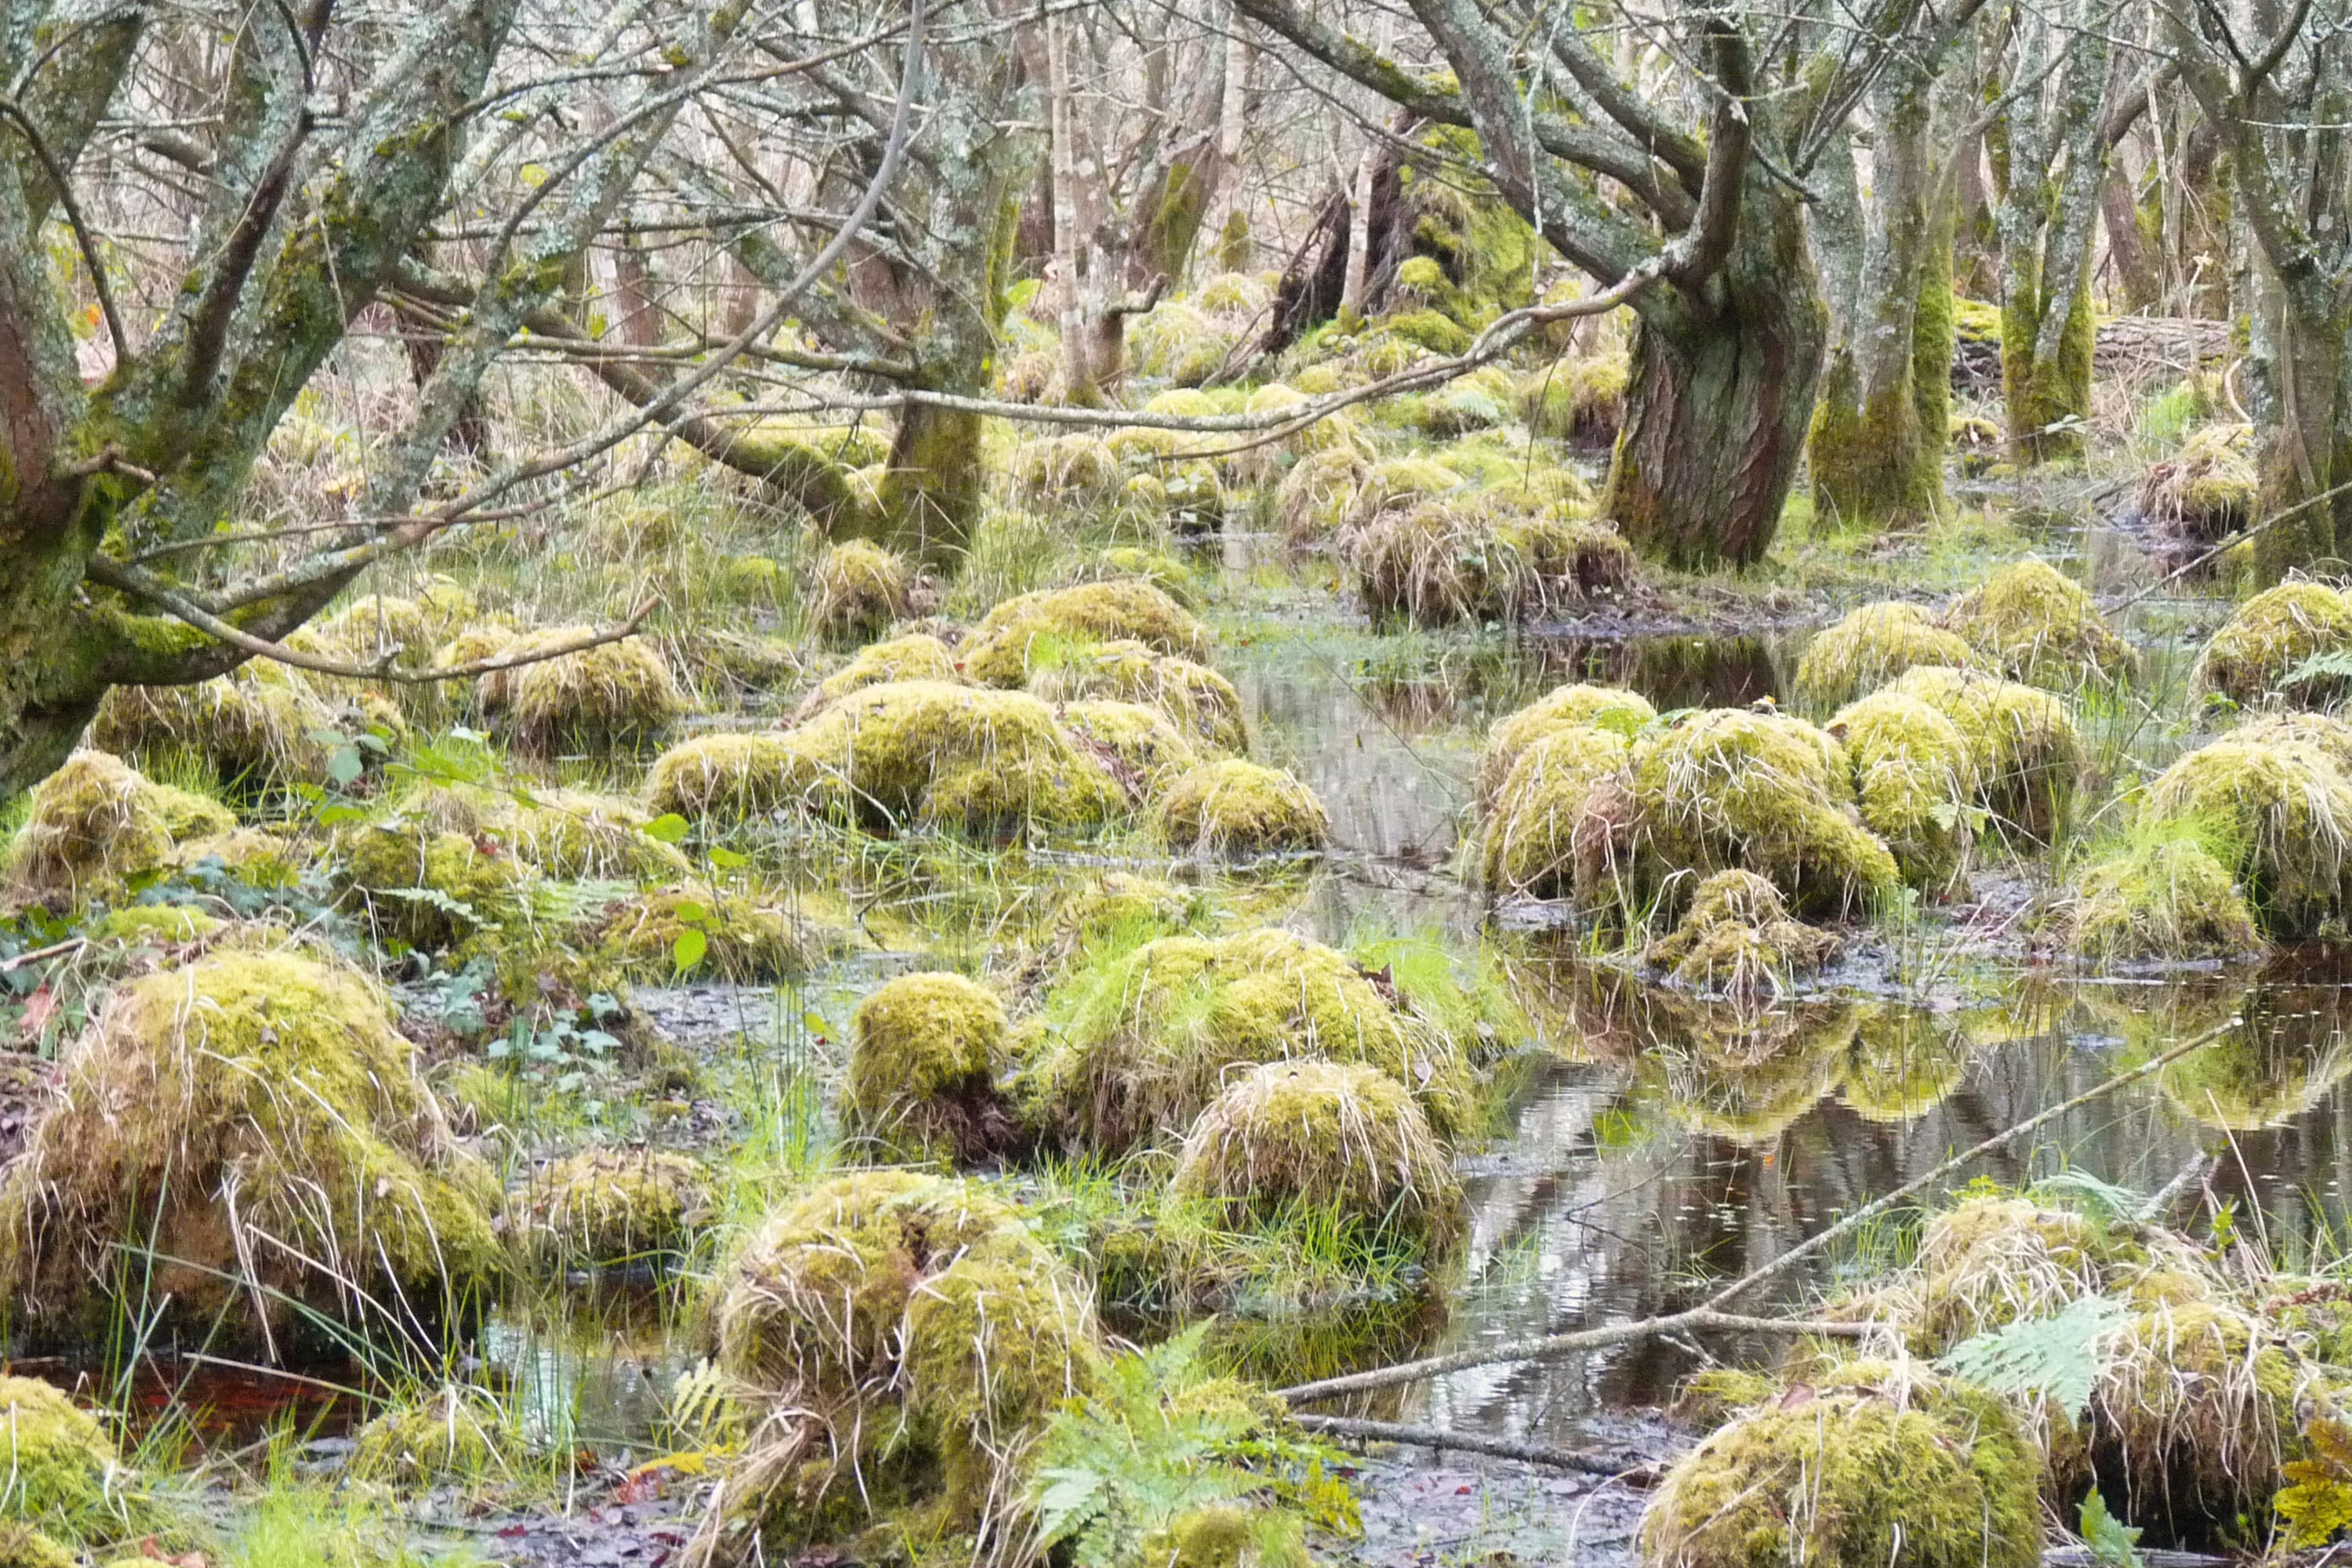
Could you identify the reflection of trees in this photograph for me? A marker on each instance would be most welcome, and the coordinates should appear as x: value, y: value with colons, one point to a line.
x: 1902, y: 1064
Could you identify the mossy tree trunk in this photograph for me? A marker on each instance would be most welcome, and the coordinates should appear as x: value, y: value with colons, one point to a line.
x: 1876, y: 445
x: 2056, y: 157
x: 1717, y: 405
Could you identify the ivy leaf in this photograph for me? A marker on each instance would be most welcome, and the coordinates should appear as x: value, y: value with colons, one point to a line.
x: 691, y: 913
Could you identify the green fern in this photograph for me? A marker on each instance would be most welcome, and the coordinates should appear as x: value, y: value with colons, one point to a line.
x: 2058, y: 1357
x: 1164, y: 1446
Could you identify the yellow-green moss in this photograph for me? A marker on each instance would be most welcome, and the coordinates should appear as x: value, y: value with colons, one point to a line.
x: 2027, y: 753
x: 97, y: 821
x: 2041, y: 627
x: 1437, y: 564
x: 1915, y: 780
x: 1142, y: 750
x: 919, y: 655
x: 254, y: 855
x: 453, y: 1436
x: 1073, y: 472
x: 914, y: 1336
x: 1137, y: 1046
x: 1180, y: 343
x: 927, y: 1052
x: 1528, y: 847
x: 576, y: 834
x: 1316, y: 497
x: 609, y: 698
x: 1871, y: 647
x: 1738, y: 938
x: 2208, y: 490
x: 1876, y: 1465
x: 430, y: 871
x: 2167, y: 901
x: 2272, y: 634
x: 734, y: 664
x: 1605, y: 707
x: 1735, y: 789
x: 255, y: 1118
x: 2281, y: 812
x: 59, y: 1472
x: 257, y: 728
x: 998, y: 653
x: 22, y: 1546
x: 600, y: 1207
x: 154, y: 924
x: 745, y: 940
x: 1901, y: 1065
x: 1332, y: 1138
x: 1195, y: 699
x: 725, y: 780
x: 1580, y: 399
x: 857, y: 588
x: 1236, y: 808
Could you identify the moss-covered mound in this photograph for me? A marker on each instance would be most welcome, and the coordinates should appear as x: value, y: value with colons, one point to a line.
x: 1330, y: 1138
x: 1002, y: 647
x: 907, y: 1339
x: 454, y: 1436
x: 613, y: 696
x: 2041, y: 628
x: 256, y: 730
x: 925, y: 1059
x: 1732, y: 789
x: 1915, y: 777
x: 97, y: 821
x: 1142, y: 750
x: 1440, y: 565
x: 2208, y: 490
x: 908, y: 754
x: 1196, y: 699
x: 606, y: 1206
x: 2270, y: 635
x: 577, y: 833
x: 744, y: 939
x: 2278, y: 814
x: 1138, y: 1045
x: 431, y: 869
x: 1575, y: 705
x: 253, y: 1119
x: 1738, y: 938
x: 917, y: 655
x: 1235, y: 808
x: 1076, y: 471
x: 2027, y: 753
x: 1528, y: 845
x: 2169, y: 901
x: 1872, y: 1464
x: 857, y: 588
x: 1871, y: 647
x: 64, y: 1476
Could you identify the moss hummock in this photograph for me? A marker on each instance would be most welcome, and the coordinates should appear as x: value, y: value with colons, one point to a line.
x: 1438, y: 563
x: 2208, y: 489
x: 857, y: 589
x: 2278, y: 814
x: 905, y: 1338
x: 928, y: 1050
x: 431, y: 869
x: 1002, y: 647
x: 1238, y: 809
x: 452, y: 1436
x: 1136, y: 1047
x: 2169, y: 901
x: 1611, y: 708
x: 603, y: 1207
x: 1142, y: 750
x: 745, y: 941
x: 1870, y: 1464
x: 1871, y: 647
x: 1915, y: 777
x: 2041, y: 627
x: 1739, y: 939
x: 2022, y: 742
x: 1733, y: 789
x: 60, y: 1470
x: 613, y: 696
x: 1530, y: 848
x: 256, y: 730
x: 2269, y: 636
x: 257, y: 1118
x: 97, y: 821
x: 917, y: 655
x: 1196, y: 699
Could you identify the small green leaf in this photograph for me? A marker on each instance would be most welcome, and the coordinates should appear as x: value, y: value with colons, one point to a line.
x: 344, y: 767
x: 813, y: 1023
x: 688, y: 951
x: 691, y: 913
x: 667, y: 828
x: 727, y: 859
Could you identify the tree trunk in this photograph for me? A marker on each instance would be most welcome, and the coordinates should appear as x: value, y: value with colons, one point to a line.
x: 2307, y: 445
x: 1716, y: 411
x: 1360, y: 240
x: 2135, y: 268
x: 930, y: 493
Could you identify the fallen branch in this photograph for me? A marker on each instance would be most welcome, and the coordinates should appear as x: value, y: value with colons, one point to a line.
x: 43, y: 954
x: 1584, y: 1461
x: 1709, y: 1313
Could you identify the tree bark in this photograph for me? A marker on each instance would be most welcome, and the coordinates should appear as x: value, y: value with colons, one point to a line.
x: 1716, y: 413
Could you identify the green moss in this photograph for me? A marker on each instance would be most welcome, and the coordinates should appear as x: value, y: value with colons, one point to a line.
x: 726, y: 780
x: 1180, y: 343
x: 577, y: 833
x: 1195, y: 699
x: 1807, y: 1479
x: 2167, y: 901
x: 1705, y: 1399
x: 603, y: 1207
x: 154, y: 924
x: 2208, y: 489
x: 1528, y: 847
x: 928, y: 1050
x: 1321, y: 489
x: 1738, y: 938
x: 2041, y: 628
x: 908, y: 1338
x: 253, y: 856
x: 59, y: 1472
x: 2272, y: 634
x: 919, y: 655
x: 857, y: 589
x: 1580, y: 399
x: 429, y: 871
x: 2027, y: 754
x: 97, y: 821
x: 613, y: 696
x: 744, y: 939
x: 453, y: 1436
x: 1074, y: 471
x: 1870, y: 646
x: 256, y: 1115
x: 1733, y: 789
x: 1142, y: 750
x: 1439, y: 563
x: 1428, y: 329
x: 22, y: 1546
x: 1235, y: 808
x: 999, y: 650
x: 1341, y: 1138
x: 256, y: 730
x: 1916, y: 779
x: 1139, y: 1044
x: 2279, y: 813
x: 1570, y: 706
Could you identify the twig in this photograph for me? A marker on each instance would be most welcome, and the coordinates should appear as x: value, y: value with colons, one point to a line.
x: 1709, y: 1313
x: 43, y: 954
x: 2235, y: 540
x: 1585, y: 1461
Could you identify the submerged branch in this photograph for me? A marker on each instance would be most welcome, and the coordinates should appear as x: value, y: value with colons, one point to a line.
x: 1584, y: 1461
